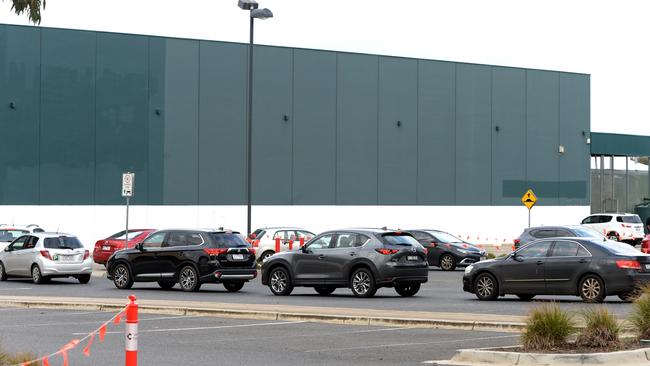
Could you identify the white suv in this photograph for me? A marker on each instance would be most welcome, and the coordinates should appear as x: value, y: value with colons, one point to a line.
x: 623, y: 227
x: 289, y: 238
x: 9, y: 233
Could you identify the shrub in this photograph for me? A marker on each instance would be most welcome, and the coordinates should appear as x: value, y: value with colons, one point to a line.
x: 7, y: 359
x: 640, y: 317
x: 601, y: 329
x: 491, y: 256
x: 547, y: 327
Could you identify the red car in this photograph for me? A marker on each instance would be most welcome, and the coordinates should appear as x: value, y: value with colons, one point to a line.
x: 106, y: 247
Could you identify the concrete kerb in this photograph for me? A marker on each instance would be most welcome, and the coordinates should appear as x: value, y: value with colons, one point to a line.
x: 345, y: 319
x: 490, y: 356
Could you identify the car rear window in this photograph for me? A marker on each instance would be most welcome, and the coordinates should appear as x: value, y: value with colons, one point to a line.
x: 62, y: 242
x: 402, y: 239
x: 11, y: 234
x: 228, y: 240
x: 631, y: 219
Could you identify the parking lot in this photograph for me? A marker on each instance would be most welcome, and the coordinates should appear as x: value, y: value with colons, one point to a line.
x: 217, y: 341
x: 442, y: 293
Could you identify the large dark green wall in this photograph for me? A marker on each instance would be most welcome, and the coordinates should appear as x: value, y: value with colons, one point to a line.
x: 89, y: 105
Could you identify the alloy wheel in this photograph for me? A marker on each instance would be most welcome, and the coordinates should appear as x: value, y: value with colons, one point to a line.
x: 187, y: 278
x: 485, y: 286
x: 447, y: 262
x: 279, y: 281
x: 36, y: 274
x: 591, y: 288
x: 121, y: 276
x: 361, y: 282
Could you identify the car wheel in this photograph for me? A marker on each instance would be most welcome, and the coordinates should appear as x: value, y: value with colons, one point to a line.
x: 525, y: 297
x: 324, y: 290
x: 37, y: 276
x: 280, y: 282
x: 266, y: 254
x: 592, y: 289
x: 189, y: 279
x: 3, y: 274
x: 612, y: 236
x: 122, y: 277
x: 233, y: 286
x: 447, y: 262
x: 362, y: 283
x: 83, y: 279
x: 486, y: 287
x: 166, y: 285
x: 407, y: 290
x: 630, y: 296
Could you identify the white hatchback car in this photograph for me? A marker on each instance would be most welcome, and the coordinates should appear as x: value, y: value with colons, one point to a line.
x: 9, y: 233
x: 42, y: 256
x: 264, y: 240
x: 623, y: 227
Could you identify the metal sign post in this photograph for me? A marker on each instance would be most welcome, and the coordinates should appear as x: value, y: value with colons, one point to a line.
x: 529, y: 199
x: 128, y: 181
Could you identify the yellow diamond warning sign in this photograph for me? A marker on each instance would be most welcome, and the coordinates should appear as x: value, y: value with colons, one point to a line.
x: 529, y: 199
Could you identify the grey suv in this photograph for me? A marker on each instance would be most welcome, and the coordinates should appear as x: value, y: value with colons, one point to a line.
x: 360, y: 259
x: 545, y: 232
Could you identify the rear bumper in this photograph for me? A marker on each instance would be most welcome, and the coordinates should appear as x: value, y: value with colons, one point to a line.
x: 627, y: 282
x: 49, y: 268
x: 101, y: 257
x: 401, y: 274
x: 227, y: 274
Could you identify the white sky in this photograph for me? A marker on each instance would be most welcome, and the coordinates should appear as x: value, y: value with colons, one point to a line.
x: 607, y: 39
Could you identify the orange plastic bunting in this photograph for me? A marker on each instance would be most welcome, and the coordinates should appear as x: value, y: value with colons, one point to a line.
x: 90, y: 342
x: 102, y: 332
x: 118, y: 318
x: 46, y: 362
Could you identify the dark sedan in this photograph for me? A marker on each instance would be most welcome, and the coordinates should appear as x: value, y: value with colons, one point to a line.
x: 586, y: 267
x: 447, y: 251
x: 360, y: 259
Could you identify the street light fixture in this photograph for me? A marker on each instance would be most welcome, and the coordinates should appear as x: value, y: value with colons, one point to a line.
x: 255, y: 13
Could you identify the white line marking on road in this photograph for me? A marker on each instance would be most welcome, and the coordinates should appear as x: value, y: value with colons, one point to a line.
x: 15, y: 288
x: 205, y: 328
x: 412, y: 344
x: 92, y: 322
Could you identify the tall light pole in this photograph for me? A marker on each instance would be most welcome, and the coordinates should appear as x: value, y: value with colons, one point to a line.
x: 255, y: 13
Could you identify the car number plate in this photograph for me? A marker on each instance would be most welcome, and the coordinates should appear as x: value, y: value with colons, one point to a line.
x: 106, y: 247
x: 66, y: 258
x: 238, y: 257
x: 647, y: 266
x: 412, y: 258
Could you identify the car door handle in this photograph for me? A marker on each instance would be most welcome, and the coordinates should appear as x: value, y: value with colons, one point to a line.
x: 352, y: 254
x: 539, y: 262
x: 321, y: 257
x: 582, y: 261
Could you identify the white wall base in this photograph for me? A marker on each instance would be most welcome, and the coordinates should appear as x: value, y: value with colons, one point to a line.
x: 481, y: 224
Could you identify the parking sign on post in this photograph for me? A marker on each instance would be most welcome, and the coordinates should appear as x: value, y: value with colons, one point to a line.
x: 128, y: 181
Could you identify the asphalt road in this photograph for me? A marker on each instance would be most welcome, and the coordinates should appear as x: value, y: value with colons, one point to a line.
x: 185, y: 340
x: 442, y: 293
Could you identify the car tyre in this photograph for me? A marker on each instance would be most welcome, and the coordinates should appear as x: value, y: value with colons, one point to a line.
x: 613, y: 236
x: 408, y: 289
x: 447, y: 262
x: 324, y: 290
x: 3, y: 274
x: 486, y: 287
x: 83, y: 279
x: 233, y: 286
x: 122, y: 277
x: 266, y: 254
x: 188, y: 279
x: 630, y: 296
x: 362, y: 283
x: 525, y: 297
x: 37, y: 275
x: 166, y: 285
x: 592, y: 289
x: 280, y: 282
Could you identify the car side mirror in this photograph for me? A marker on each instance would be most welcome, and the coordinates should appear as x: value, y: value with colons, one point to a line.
x: 304, y: 249
x: 517, y: 257
x: 7, y: 249
x: 139, y: 246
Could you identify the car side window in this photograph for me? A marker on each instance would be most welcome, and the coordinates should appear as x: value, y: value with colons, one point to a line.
x: 31, y: 242
x: 545, y: 233
x: 605, y: 218
x: 322, y: 242
x: 589, y: 220
x: 350, y: 240
x: 280, y: 234
x: 305, y: 234
x: 19, y: 244
x: 565, y: 249
x: 582, y: 252
x: 419, y: 235
x: 154, y: 241
x: 183, y: 238
x: 565, y: 233
x: 536, y: 250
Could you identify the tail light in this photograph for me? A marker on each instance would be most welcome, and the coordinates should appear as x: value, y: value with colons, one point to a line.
x: 251, y: 251
x: 517, y: 241
x: 46, y: 254
x: 86, y: 254
x: 217, y: 251
x: 627, y: 264
x: 386, y: 251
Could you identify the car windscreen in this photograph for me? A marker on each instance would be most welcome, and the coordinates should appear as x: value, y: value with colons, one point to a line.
x: 630, y: 219
x: 62, y: 242
x: 398, y: 239
x: 228, y: 240
x: 587, y: 233
x: 11, y: 234
x: 445, y: 237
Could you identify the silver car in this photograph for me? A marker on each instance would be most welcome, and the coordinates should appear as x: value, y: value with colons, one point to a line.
x: 42, y: 256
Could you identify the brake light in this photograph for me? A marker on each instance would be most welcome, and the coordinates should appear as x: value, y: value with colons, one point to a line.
x: 251, y: 251
x: 217, y: 251
x: 46, y: 254
x: 86, y: 254
x: 386, y: 251
x: 627, y: 264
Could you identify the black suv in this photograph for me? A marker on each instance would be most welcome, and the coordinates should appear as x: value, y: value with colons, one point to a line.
x: 447, y: 251
x: 361, y: 259
x: 187, y: 257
